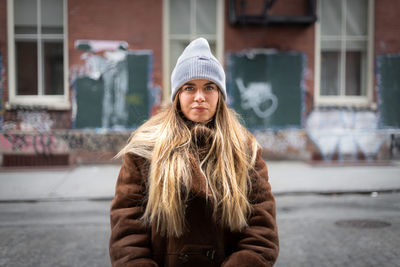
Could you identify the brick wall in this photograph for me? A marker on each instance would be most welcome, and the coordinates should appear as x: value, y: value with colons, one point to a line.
x: 387, y: 27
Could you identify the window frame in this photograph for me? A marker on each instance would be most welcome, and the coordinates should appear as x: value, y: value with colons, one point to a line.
x: 57, y: 102
x: 218, y: 37
x: 343, y: 100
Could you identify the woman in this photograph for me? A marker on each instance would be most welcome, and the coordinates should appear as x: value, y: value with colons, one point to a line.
x: 193, y: 188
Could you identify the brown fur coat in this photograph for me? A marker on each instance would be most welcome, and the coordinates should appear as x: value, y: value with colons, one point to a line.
x: 204, y: 243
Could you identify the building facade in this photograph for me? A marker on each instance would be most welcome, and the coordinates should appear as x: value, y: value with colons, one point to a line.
x: 315, y: 80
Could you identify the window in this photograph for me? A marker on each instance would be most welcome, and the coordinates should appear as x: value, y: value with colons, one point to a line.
x: 37, y: 41
x: 344, y: 52
x: 185, y: 20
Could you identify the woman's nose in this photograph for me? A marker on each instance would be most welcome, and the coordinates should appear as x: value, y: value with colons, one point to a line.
x: 199, y: 97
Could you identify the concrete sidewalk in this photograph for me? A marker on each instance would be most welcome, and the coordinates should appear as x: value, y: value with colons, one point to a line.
x: 286, y: 177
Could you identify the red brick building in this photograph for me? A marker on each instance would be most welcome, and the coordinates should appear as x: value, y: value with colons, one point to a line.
x: 313, y: 80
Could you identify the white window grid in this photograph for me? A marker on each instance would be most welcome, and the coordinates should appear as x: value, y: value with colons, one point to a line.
x: 167, y: 38
x: 366, y: 76
x: 41, y: 100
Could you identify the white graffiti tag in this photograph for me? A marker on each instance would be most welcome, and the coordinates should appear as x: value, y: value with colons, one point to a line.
x: 35, y: 120
x: 255, y: 96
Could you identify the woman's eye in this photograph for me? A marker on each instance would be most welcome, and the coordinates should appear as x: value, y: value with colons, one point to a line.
x: 188, y: 88
x: 210, y: 87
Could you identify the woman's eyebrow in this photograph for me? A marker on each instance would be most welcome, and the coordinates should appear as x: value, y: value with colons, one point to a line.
x: 189, y: 84
x: 210, y: 83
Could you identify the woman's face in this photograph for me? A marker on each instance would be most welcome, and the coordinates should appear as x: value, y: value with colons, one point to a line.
x: 198, y: 100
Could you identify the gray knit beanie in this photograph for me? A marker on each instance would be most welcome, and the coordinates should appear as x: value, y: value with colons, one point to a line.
x: 197, y: 62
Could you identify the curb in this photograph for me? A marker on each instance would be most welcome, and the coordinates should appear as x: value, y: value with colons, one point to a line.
x: 288, y: 193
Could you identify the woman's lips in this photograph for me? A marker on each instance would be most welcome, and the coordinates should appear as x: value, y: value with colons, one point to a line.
x: 199, y: 108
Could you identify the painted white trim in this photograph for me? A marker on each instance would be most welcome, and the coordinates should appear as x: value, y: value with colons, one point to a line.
x: 193, y: 17
x: 66, y: 59
x: 165, y: 51
x: 50, y: 102
x: 218, y: 37
x: 39, y: 50
x: 370, y: 54
x: 57, y: 102
x: 357, y: 101
x: 317, y: 55
x: 46, y: 36
x: 342, y: 65
x: 348, y: 38
x: 354, y: 101
x: 11, y: 51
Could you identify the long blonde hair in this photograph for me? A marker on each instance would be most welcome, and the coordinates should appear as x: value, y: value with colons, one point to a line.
x: 166, y: 141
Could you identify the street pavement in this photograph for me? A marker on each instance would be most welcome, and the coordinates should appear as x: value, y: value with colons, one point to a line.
x: 286, y: 177
x: 326, y: 215
x: 314, y: 230
x: 355, y: 230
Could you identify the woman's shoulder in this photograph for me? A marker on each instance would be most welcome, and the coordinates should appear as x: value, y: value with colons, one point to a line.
x: 253, y: 147
x: 135, y: 160
x: 133, y: 157
x: 135, y: 166
x: 141, y: 143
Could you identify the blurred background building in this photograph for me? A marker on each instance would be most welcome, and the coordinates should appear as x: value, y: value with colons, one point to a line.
x: 314, y: 80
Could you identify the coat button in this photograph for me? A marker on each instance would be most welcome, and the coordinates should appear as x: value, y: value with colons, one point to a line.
x: 210, y: 253
x: 183, y: 257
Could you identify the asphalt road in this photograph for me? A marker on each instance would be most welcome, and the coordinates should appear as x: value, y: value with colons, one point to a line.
x: 342, y: 230
x: 315, y: 230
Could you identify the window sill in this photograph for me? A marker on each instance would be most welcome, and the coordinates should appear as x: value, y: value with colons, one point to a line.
x: 369, y: 106
x: 31, y: 103
x: 356, y: 102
